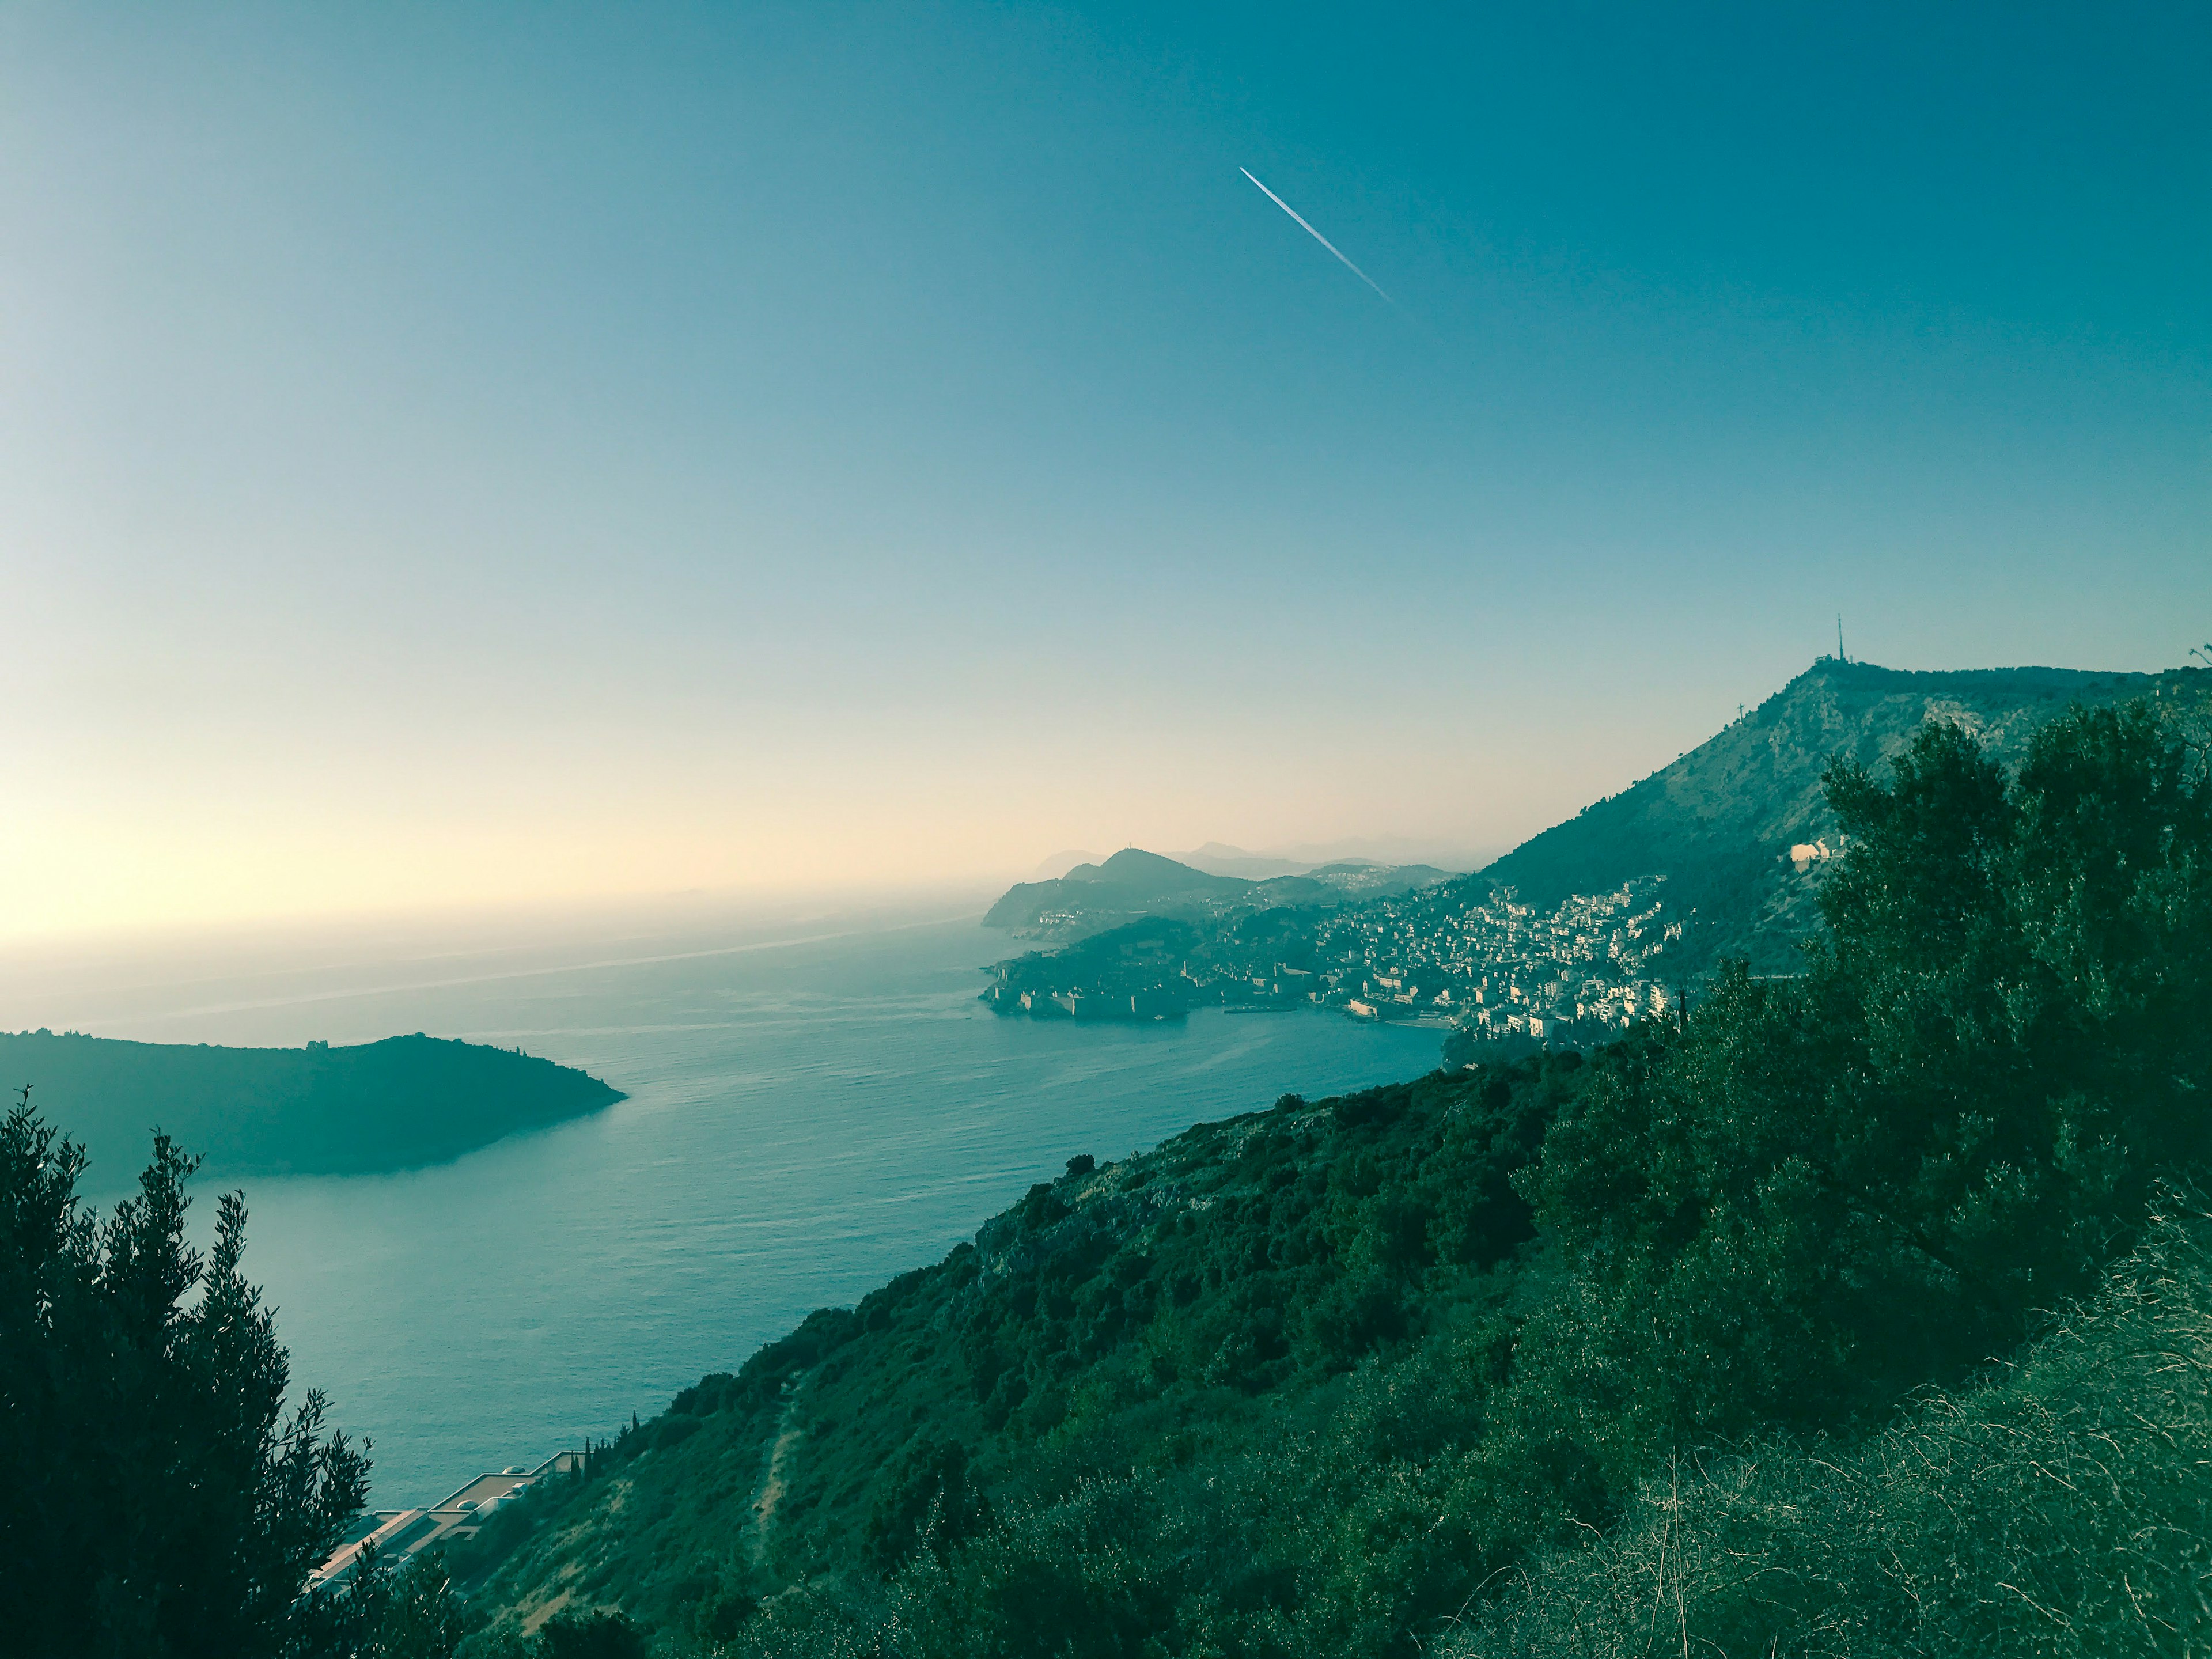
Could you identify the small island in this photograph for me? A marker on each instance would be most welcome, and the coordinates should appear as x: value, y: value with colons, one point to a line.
x: 364, y: 1109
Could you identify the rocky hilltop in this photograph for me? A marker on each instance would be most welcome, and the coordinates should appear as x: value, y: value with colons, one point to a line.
x: 1575, y: 933
x: 1720, y: 823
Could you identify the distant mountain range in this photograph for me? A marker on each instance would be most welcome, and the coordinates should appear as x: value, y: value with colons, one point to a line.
x: 1134, y: 883
x: 1219, y: 859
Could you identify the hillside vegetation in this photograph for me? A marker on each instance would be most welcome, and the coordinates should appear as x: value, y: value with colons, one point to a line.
x: 1720, y: 821
x: 170, y: 1485
x: 1616, y: 911
x: 395, y: 1104
x: 2056, y: 1508
x: 1505, y: 1360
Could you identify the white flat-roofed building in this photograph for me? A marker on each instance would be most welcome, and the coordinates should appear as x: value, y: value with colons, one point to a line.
x: 396, y: 1536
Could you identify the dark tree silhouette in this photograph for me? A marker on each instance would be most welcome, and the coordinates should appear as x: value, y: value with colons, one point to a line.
x: 159, y: 1499
x: 602, y: 1635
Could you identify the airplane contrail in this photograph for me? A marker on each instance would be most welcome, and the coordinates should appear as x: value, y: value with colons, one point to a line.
x: 1318, y: 237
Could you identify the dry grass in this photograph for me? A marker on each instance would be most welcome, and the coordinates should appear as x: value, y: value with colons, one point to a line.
x: 2063, y: 1507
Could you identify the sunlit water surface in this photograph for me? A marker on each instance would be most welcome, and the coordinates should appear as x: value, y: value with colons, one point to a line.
x: 805, y: 1119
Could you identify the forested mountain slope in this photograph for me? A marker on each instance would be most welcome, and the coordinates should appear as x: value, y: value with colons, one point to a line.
x: 1719, y: 822
x: 1718, y: 825
x: 1164, y: 1319
x: 1463, y: 1362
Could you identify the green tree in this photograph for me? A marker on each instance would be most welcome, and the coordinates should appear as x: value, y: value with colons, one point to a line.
x: 603, y: 1635
x: 160, y: 1499
x: 1826, y: 1190
x: 929, y: 1503
x: 376, y: 1612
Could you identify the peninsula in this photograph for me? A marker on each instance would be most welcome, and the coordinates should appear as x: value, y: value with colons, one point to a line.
x: 367, y: 1107
x: 1574, y: 935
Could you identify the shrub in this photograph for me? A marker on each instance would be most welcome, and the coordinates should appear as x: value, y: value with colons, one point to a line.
x: 2058, y: 1508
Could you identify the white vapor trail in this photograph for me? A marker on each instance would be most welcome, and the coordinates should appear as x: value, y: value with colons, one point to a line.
x: 1318, y: 237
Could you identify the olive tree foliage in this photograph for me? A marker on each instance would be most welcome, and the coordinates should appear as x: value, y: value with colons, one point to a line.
x: 156, y: 1497
x: 1828, y: 1189
x: 376, y: 1612
x: 2058, y: 1508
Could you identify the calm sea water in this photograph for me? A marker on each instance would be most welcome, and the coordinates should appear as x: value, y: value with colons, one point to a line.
x: 807, y: 1115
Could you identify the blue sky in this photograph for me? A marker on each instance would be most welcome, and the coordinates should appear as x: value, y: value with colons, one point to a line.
x: 486, y: 453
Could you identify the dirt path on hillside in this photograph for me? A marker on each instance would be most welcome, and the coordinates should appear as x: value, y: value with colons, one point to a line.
x: 788, y: 1436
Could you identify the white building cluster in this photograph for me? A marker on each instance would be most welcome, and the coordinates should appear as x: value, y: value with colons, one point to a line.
x: 1497, y: 965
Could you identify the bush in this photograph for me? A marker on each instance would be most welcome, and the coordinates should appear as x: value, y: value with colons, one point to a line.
x: 605, y: 1634
x: 2058, y: 1508
x: 160, y: 1499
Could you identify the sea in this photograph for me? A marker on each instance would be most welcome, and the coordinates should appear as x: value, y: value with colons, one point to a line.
x: 815, y: 1102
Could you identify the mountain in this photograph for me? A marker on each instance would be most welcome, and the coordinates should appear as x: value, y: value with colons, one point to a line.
x: 1346, y: 1376
x: 1718, y: 824
x: 1219, y: 859
x: 1132, y: 884
x: 1061, y: 863
x: 1455, y: 856
x: 1365, y: 880
x: 1396, y: 853
x: 1720, y: 821
x: 1135, y: 885
x: 396, y: 1105
x: 1721, y: 854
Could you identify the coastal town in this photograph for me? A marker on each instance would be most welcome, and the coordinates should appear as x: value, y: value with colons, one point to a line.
x: 1464, y: 956
x: 1484, y: 963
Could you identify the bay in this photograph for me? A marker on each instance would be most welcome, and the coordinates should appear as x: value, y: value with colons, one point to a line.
x: 813, y: 1107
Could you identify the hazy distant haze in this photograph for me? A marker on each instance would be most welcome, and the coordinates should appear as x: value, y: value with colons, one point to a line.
x: 474, y: 455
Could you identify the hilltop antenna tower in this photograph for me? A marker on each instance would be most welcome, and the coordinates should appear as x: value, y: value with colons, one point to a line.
x: 1840, y: 657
